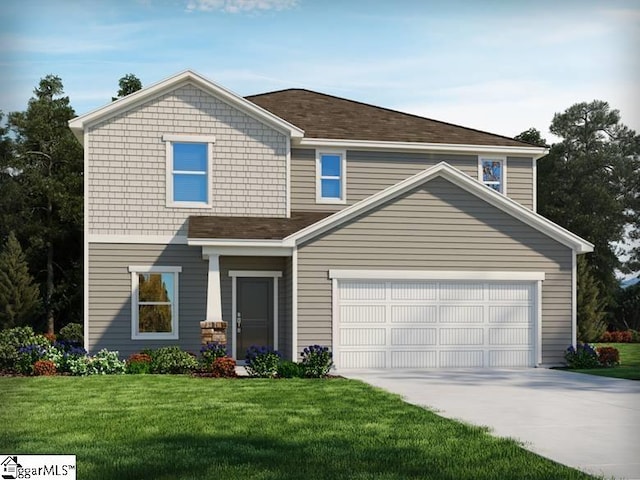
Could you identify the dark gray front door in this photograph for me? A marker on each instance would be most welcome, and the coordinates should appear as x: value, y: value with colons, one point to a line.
x: 254, y: 318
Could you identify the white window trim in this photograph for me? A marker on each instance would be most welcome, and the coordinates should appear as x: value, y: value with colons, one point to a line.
x: 135, y: 334
x: 343, y: 177
x: 169, y: 141
x: 235, y: 274
x: 495, y: 158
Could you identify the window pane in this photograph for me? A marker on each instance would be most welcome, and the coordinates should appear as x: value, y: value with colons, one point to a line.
x: 190, y: 157
x: 154, y: 318
x: 495, y: 186
x: 330, y: 165
x: 491, y: 171
x: 155, y: 287
x: 330, y: 188
x: 189, y: 188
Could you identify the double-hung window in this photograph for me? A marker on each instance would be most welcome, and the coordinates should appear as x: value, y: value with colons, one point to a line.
x: 154, y: 302
x: 188, y: 170
x: 492, y: 172
x: 331, y: 176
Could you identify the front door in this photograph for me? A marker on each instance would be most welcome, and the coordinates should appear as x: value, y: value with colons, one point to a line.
x: 254, y: 315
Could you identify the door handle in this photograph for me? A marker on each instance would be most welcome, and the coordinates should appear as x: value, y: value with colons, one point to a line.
x: 239, y: 322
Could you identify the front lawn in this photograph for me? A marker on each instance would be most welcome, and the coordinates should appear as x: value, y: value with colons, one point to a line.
x: 629, y: 367
x: 178, y: 427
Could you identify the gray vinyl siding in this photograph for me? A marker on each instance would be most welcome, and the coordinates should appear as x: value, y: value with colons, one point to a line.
x: 520, y: 180
x: 369, y: 172
x: 437, y: 226
x: 127, y: 164
x: 110, y: 293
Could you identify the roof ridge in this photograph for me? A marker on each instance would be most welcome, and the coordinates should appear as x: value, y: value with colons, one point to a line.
x: 413, y: 115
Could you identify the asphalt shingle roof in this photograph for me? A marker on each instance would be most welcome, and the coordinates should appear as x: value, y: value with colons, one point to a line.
x: 326, y: 116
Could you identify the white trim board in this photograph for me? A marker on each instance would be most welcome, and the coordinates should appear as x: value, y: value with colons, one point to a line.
x: 235, y: 274
x: 436, y: 275
x: 138, y: 239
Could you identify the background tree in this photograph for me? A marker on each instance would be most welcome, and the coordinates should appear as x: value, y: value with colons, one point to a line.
x: 45, y: 204
x: 532, y: 136
x: 590, y: 305
x: 19, y: 295
x: 586, y: 183
x: 128, y: 84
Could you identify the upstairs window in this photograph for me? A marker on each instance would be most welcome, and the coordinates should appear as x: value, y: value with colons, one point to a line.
x: 331, y: 177
x: 188, y: 171
x: 493, y: 173
x: 154, y: 302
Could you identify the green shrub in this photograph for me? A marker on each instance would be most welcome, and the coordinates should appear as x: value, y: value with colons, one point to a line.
x: 316, y: 361
x: 72, y: 332
x: 224, y: 367
x: 584, y: 356
x: 262, y: 361
x: 288, y: 369
x: 172, y: 360
x: 139, y: 363
x: 78, y: 366
x: 11, y: 341
x: 210, y: 352
x: 105, y: 363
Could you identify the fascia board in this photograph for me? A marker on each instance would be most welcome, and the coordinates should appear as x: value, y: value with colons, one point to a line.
x: 534, y: 152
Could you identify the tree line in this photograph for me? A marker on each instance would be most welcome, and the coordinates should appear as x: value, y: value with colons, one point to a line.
x: 589, y: 183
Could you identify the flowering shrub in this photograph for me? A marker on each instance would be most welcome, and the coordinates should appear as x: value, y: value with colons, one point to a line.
x: 139, y: 363
x: 316, y: 361
x: 12, y: 340
x: 78, y: 366
x: 27, y: 356
x: 223, y: 367
x: 172, y: 360
x: 210, y: 352
x: 50, y: 336
x: 44, y: 368
x: 608, y: 356
x: 584, y: 356
x: 105, y: 363
x: 618, y: 337
x: 287, y: 369
x: 262, y: 361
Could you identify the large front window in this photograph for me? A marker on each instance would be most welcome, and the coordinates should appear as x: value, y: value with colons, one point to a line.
x: 330, y: 177
x: 154, y: 302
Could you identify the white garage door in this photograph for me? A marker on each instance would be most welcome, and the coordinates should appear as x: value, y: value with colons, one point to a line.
x: 434, y: 324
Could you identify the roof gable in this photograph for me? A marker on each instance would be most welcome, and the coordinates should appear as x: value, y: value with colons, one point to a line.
x: 459, y: 179
x: 328, y: 117
x: 79, y: 124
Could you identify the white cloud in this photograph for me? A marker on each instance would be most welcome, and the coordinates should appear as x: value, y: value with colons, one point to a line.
x: 239, y: 6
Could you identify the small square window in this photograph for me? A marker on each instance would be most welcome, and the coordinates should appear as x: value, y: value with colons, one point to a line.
x: 330, y: 181
x: 492, y: 173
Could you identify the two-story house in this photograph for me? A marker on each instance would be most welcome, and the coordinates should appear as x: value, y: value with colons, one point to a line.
x: 301, y: 218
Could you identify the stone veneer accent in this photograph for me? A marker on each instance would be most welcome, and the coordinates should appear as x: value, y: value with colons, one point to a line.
x: 213, y: 332
x: 127, y: 164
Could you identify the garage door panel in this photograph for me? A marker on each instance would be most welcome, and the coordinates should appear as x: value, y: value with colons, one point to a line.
x: 509, y: 358
x: 509, y: 336
x: 510, y: 314
x: 363, y: 291
x: 461, y: 336
x: 510, y: 292
x: 362, y: 314
x: 413, y: 290
x: 414, y: 313
x: 414, y: 336
x: 461, y: 314
x: 363, y: 359
x: 461, y: 359
x: 461, y: 291
x: 354, y: 337
x: 414, y: 359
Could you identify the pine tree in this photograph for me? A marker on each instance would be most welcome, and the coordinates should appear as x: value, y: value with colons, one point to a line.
x: 591, y: 307
x: 19, y: 295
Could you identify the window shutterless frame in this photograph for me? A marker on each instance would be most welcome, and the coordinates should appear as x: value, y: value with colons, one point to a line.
x: 492, y: 172
x: 187, y: 174
x: 331, y: 174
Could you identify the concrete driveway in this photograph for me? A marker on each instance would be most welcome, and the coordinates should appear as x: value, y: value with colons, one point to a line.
x: 587, y: 422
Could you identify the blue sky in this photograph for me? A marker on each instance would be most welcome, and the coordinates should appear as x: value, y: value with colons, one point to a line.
x: 501, y: 66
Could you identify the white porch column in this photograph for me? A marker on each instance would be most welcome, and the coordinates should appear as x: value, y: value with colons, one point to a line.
x: 214, y: 297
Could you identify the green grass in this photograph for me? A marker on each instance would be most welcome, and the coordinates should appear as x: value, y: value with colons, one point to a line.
x: 629, y: 367
x: 178, y: 427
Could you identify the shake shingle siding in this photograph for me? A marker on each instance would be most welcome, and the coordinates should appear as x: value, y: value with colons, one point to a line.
x: 437, y: 226
x: 127, y: 171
